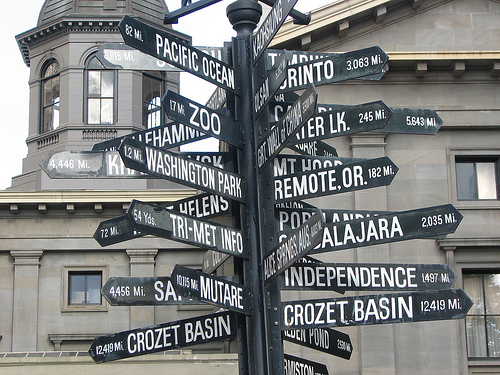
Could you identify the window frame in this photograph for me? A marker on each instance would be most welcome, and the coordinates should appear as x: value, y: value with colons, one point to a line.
x: 482, y: 272
x: 43, y: 81
x: 161, y: 78
x: 471, y: 154
x: 66, y: 271
x: 475, y: 160
x: 87, y: 96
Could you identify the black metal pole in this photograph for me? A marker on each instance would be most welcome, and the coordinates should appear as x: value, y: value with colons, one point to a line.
x: 244, y: 16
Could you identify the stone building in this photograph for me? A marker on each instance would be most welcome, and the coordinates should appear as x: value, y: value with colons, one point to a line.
x: 443, y: 55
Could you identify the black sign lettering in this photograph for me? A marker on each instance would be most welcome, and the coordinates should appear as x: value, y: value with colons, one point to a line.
x: 164, y: 136
x: 363, y: 277
x: 325, y: 340
x: 270, y: 27
x: 287, y: 127
x: 391, y: 227
x: 169, y: 48
x: 296, y: 245
x: 211, y: 289
x: 335, y: 68
x: 179, y: 168
x: 202, y: 118
x: 159, y: 221
x: 376, y: 309
x: 173, y: 335
x: 141, y: 291
x: 295, y: 365
x: 326, y: 181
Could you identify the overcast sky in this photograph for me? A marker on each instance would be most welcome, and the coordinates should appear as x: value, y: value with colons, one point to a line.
x: 19, y: 16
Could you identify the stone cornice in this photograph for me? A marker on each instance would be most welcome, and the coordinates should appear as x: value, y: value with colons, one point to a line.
x: 17, y: 197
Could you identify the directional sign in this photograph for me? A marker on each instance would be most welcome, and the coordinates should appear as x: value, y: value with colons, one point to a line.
x: 141, y: 291
x: 348, y: 120
x: 402, y: 121
x: 164, y: 136
x: 392, y: 227
x: 213, y: 260
x: 336, y: 68
x: 217, y: 99
x: 413, y: 121
x: 376, y: 309
x: 182, y: 169
x: 273, y: 80
x: 169, y: 48
x: 203, y: 205
x: 202, y: 118
x: 270, y: 26
x: 314, y: 148
x: 295, y: 365
x: 166, y: 336
x: 364, y: 277
x: 326, y: 340
x: 298, y: 243
x: 165, y: 223
x: 208, y: 288
x: 87, y: 164
x: 334, y: 180
x: 289, y: 164
x: 287, y: 127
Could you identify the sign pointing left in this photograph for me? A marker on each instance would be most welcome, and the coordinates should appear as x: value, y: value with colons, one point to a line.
x: 171, y: 49
x: 166, y: 336
x: 181, y: 169
x: 172, y: 225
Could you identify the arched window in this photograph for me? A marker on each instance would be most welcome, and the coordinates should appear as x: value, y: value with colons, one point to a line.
x: 50, y: 97
x: 100, y: 93
x: 153, y: 84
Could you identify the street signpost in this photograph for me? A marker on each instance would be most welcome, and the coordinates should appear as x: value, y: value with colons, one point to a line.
x: 247, y: 89
x: 181, y: 169
x: 296, y: 365
x: 376, y: 309
x: 172, y: 225
x: 325, y: 340
x: 287, y: 127
x: 141, y: 291
x: 169, y: 48
x: 297, y: 244
x: 211, y: 289
x: 365, y: 277
x: 334, y: 180
x: 167, y: 336
x: 202, y: 118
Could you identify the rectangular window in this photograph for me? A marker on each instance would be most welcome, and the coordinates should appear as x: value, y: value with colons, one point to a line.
x: 82, y: 288
x: 483, y: 319
x: 477, y: 178
x: 152, y: 92
x: 85, y: 288
x: 100, y: 97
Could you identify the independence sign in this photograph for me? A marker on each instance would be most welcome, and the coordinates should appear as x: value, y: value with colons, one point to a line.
x: 375, y: 309
x: 173, y: 335
x: 364, y: 277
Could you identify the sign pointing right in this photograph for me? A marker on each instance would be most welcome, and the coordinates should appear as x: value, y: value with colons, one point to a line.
x: 375, y: 309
